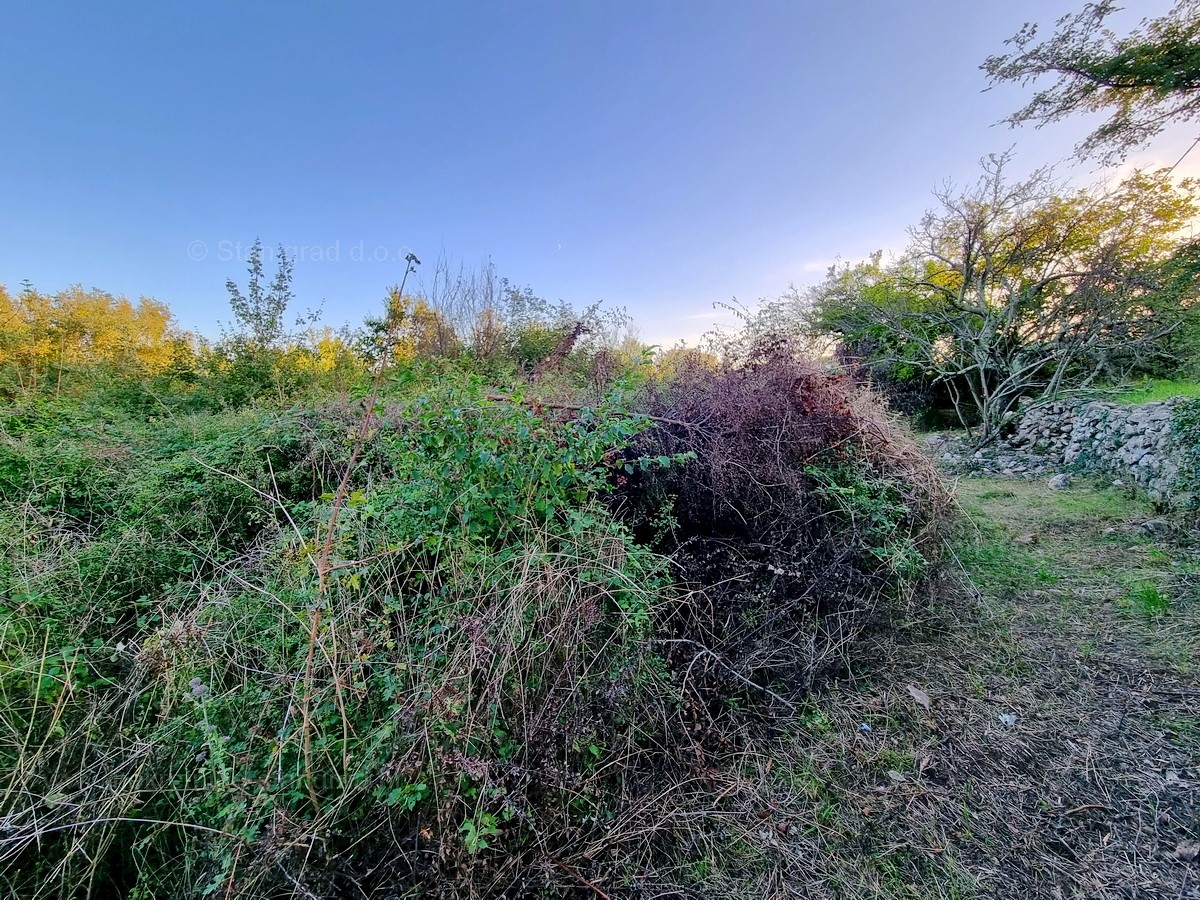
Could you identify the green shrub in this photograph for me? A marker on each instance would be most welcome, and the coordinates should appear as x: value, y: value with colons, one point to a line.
x: 1147, y: 598
x: 473, y: 676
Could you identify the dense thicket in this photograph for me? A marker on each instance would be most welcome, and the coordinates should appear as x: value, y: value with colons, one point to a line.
x: 802, y: 514
x: 283, y: 623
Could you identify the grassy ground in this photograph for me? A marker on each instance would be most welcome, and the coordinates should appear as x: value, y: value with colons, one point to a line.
x: 1038, y: 736
x: 1158, y: 389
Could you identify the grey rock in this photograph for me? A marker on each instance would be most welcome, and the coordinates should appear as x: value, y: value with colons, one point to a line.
x: 1059, y: 482
x: 1154, y: 527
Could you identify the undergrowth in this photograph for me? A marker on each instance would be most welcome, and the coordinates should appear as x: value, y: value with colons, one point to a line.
x: 476, y: 643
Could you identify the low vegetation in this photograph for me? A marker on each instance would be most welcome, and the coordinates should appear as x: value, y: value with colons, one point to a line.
x: 485, y: 598
x: 1154, y: 390
x: 433, y: 618
x: 1031, y: 735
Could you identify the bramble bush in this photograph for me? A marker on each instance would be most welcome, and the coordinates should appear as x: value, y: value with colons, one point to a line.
x: 478, y: 672
x: 510, y: 657
x: 806, y: 518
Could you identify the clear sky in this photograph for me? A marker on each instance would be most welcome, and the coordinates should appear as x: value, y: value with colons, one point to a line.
x: 655, y: 155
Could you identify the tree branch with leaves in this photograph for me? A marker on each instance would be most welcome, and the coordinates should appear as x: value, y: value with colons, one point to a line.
x: 1146, y: 80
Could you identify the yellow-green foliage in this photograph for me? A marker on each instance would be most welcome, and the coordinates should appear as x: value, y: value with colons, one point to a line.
x: 45, y: 338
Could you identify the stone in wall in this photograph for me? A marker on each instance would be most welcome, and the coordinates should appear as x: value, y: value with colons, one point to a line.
x: 1134, y: 443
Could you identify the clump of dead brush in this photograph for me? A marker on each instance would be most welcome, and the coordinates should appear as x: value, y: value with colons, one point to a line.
x: 806, y: 516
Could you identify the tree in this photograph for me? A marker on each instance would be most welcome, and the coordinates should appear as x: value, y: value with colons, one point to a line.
x: 45, y: 338
x: 857, y: 303
x: 411, y: 329
x: 260, y: 311
x: 1146, y: 80
x: 1018, y: 291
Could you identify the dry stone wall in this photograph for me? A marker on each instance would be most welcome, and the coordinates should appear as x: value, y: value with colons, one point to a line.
x: 1133, y: 443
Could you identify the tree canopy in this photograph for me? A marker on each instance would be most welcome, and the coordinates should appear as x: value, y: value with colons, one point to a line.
x: 46, y: 336
x: 1018, y: 290
x: 1145, y: 81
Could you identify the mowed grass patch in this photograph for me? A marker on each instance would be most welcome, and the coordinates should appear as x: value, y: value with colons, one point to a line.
x: 1083, y: 549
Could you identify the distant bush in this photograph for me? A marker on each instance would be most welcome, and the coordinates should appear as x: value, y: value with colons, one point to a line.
x: 306, y: 368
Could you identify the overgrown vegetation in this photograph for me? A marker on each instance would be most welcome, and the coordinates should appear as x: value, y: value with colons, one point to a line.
x: 1185, y: 431
x: 804, y: 511
x: 486, y: 598
x: 433, y: 609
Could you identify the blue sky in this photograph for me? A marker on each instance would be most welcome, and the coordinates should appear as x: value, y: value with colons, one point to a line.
x: 658, y: 156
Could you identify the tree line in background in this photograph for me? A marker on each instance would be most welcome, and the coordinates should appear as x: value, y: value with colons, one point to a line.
x: 1013, y: 291
x: 81, y: 343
